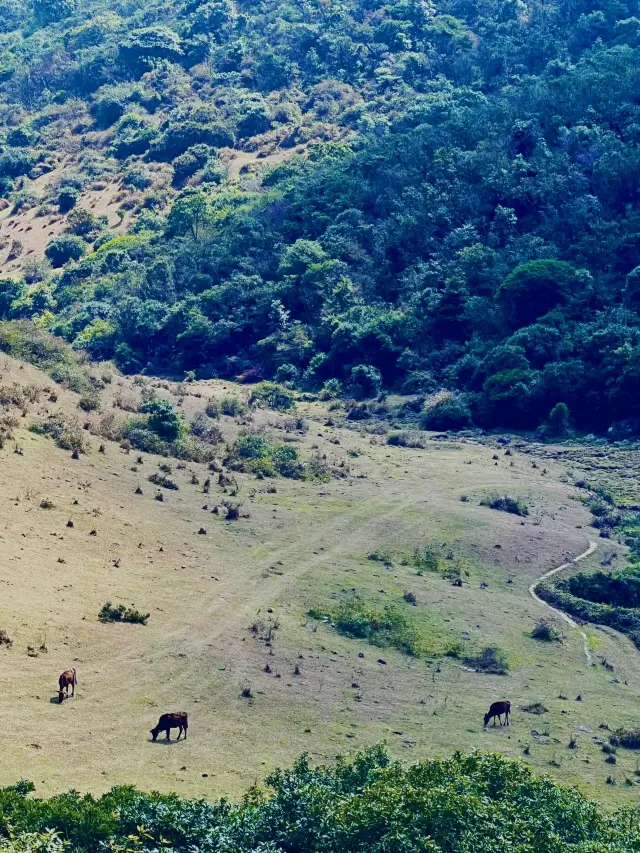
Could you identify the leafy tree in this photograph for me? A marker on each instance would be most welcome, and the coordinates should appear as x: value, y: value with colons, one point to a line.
x: 558, y: 422
x: 64, y: 249
x: 365, y: 380
x: 534, y: 288
x: 48, y: 12
x: 163, y: 419
x: 190, y: 214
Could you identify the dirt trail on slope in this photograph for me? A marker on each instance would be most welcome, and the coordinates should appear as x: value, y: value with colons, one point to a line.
x: 565, y: 616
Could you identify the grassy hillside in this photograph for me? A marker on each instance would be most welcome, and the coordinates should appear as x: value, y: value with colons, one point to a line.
x: 345, y: 607
x: 447, y: 198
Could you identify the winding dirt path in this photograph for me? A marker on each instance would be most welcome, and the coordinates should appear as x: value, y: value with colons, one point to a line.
x: 565, y: 616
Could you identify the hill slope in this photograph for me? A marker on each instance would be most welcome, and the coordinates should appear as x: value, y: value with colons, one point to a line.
x: 448, y: 196
x: 229, y: 607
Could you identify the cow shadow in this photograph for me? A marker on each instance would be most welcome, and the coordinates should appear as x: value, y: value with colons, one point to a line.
x: 164, y: 742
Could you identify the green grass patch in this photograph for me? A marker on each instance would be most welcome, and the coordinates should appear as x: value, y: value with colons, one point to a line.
x: 388, y: 627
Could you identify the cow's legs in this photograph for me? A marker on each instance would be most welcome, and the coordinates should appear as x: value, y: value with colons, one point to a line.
x: 168, y: 734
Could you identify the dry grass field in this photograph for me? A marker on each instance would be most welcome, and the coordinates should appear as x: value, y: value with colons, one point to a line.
x: 304, y: 545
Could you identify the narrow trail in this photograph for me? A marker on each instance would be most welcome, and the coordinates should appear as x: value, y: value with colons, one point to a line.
x: 565, y: 616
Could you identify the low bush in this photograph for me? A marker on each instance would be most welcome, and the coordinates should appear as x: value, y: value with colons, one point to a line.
x: 253, y: 453
x: 489, y: 660
x: 505, y: 503
x: 626, y: 738
x: 406, y: 438
x: 545, y: 631
x: 424, y: 560
x: 164, y: 481
x: 445, y: 410
x: 122, y: 613
x: 233, y: 406
x: 387, y: 628
x: 65, y: 431
x: 270, y: 395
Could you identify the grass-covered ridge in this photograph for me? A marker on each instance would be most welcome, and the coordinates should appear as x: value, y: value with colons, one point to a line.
x: 480, y: 803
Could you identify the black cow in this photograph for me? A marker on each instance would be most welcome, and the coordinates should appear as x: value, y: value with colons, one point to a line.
x: 177, y: 720
x: 497, y: 709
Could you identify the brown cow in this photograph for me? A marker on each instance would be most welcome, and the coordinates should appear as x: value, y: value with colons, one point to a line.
x: 67, y: 680
x: 497, y: 709
x: 177, y: 720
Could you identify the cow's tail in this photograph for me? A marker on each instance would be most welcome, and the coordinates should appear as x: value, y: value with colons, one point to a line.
x: 75, y: 678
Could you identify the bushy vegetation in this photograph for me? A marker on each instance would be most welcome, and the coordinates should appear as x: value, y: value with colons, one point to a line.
x: 454, y: 216
x: 490, y: 660
x: 255, y: 454
x: 122, y: 613
x: 370, y: 804
x: 606, y: 599
x: 387, y: 628
x: 505, y: 503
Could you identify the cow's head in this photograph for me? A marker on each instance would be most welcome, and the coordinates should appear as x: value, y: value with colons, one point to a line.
x: 60, y: 696
x: 487, y: 717
x: 154, y: 733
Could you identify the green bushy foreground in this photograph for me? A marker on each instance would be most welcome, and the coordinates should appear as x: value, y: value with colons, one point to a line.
x: 468, y: 804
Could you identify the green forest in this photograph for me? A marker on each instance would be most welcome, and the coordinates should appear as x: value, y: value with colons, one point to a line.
x: 457, y: 210
x: 465, y: 804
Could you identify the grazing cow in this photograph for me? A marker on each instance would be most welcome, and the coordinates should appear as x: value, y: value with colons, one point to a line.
x: 177, y: 720
x: 67, y: 680
x: 497, y: 709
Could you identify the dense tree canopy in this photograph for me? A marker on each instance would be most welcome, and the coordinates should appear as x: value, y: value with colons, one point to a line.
x: 456, y: 205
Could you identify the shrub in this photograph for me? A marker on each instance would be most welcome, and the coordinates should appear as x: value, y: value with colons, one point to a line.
x: 212, y: 409
x: 67, y: 199
x: 204, y: 429
x: 64, y: 249
x: 287, y: 373
x: 406, y: 438
x: 365, y: 381
x: 425, y: 560
x: 331, y: 389
x: 490, y: 660
x: 545, y: 631
x: 232, y: 406
x: 65, y: 431
x: 271, y: 395
x: 163, y: 480
x: 626, y: 738
x: 89, y: 403
x: 163, y: 419
x: 122, y: 613
x: 505, y: 503
x: 386, y: 628
x: 558, y: 423
x: 445, y: 410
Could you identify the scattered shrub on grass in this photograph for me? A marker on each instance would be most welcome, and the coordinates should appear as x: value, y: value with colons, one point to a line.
x: 505, y: 503
x: 233, y: 406
x: 386, y: 628
x: 271, y: 395
x: 202, y: 427
x: 445, y: 410
x: 164, y: 481
x: 89, y: 403
x: 424, y: 560
x: 66, y: 432
x: 626, y: 738
x: 5, y: 639
x: 406, y: 438
x: 545, y: 631
x: 122, y: 613
x: 212, y: 409
x: 490, y: 660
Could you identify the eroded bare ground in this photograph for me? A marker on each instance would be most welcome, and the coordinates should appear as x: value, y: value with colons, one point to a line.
x: 304, y: 545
